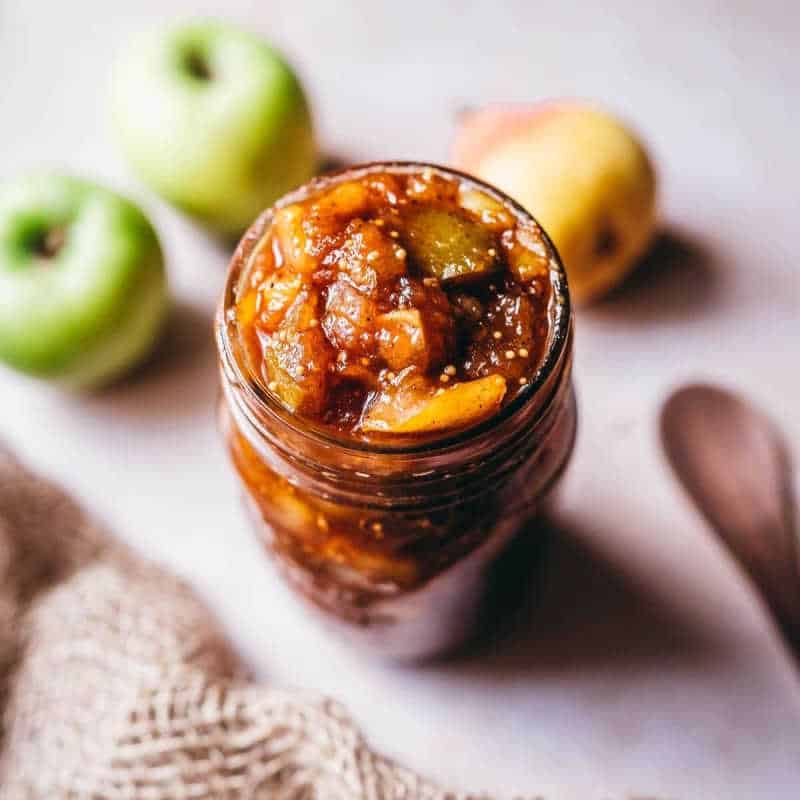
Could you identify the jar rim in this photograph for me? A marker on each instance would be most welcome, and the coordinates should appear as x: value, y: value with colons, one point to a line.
x: 257, y: 396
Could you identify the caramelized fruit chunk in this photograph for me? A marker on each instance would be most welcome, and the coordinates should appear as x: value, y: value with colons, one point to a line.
x: 489, y: 211
x: 349, y: 317
x: 297, y: 357
x: 506, y: 340
x: 431, y: 188
x: 449, y: 247
x: 406, y: 338
x: 399, y: 400
x: 287, y: 230
x: 457, y: 407
x: 367, y: 256
x: 346, y: 200
x: 528, y: 254
x: 357, y: 563
x: 278, y: 292
x: 427, y: 337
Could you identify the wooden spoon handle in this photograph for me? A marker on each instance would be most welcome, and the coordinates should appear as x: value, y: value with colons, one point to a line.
x: 734, y: 465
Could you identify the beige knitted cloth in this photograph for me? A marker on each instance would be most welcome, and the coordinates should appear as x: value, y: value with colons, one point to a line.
x: 116, y: 683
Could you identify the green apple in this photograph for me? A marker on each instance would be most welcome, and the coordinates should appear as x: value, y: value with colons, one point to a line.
x: 213, y: 120
x: 82, y: 282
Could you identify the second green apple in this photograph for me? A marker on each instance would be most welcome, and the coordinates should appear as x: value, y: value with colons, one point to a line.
x: 214, y: 120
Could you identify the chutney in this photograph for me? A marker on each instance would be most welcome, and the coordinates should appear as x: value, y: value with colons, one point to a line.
x: 396, y: 304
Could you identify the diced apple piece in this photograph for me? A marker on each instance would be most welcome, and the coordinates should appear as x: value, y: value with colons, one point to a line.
x: 278, y: 292
x: 369, y: 564
x: 457, y: 407
x: 303, y: 313
x: 304, y: 236
x: 345, y: 200
x: 462, y: 405
x: 528, y: 255
x: 322, y: 235
x: 286, y: 508
x: 489, y: 211
x: 450, y: 247
x: 287, y: 231
x: 296, y: 358
x: 398, y: 401
x: 431, y: 188
x: 246, y: 308
x: 527, y: 266
x: 385, y: 187
x: 349, y: 318
x: 289, y: 511
x: 404, y: 339
x: 299, y: 387
x: 367, y: 256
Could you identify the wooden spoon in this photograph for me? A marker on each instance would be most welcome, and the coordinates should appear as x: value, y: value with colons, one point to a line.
x: 735, y: 465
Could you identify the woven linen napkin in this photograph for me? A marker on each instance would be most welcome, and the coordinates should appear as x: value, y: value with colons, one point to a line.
x: 115, y: 681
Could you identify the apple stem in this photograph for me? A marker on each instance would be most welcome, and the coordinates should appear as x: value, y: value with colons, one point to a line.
x: 197, y: 65
x: 49, y: 245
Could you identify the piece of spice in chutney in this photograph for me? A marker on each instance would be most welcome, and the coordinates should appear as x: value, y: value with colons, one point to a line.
x: 397, y: 304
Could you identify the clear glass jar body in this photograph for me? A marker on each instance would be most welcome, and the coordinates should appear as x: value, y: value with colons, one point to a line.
x: 394, y: 543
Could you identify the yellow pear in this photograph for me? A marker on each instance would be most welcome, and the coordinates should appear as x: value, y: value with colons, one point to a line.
x: 581, y: 172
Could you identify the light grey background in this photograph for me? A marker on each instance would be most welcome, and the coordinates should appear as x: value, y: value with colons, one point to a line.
x: 649, y: 669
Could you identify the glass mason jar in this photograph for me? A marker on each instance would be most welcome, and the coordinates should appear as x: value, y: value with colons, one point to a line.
x: 394, y: 541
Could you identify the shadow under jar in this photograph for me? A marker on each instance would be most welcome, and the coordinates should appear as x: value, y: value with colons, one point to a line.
x: 395, y: 345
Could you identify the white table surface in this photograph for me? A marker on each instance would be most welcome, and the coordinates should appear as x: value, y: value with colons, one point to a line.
x: 648, y: 669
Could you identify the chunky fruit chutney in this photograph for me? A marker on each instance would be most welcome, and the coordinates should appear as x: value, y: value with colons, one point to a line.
x: 396, y: 350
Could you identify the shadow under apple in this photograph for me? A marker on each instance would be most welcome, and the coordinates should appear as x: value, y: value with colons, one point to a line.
x: 178, y: 378
x: 678, y: 278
